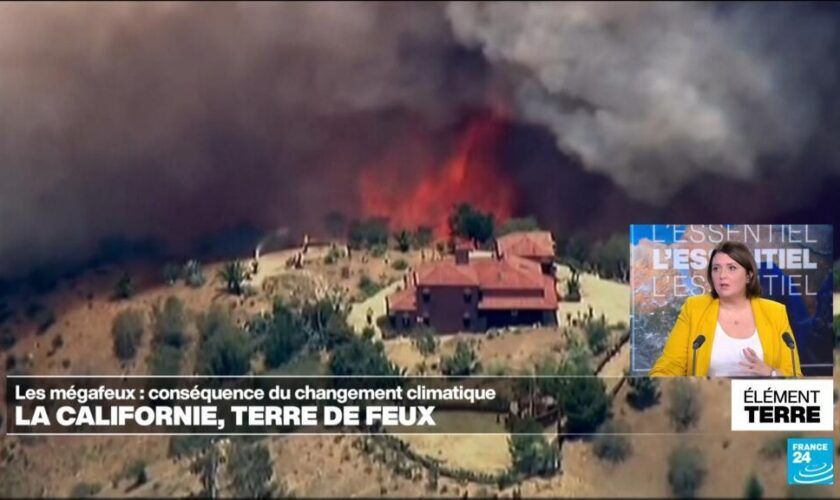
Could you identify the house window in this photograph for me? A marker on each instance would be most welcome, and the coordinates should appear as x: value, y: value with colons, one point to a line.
x: 427, y: 296
x: 467, y: 321
x: 467, y: 296
x: 406, y: 321
x: 424, y: 320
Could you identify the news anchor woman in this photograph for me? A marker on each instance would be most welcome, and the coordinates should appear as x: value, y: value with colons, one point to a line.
x: 732, y: 331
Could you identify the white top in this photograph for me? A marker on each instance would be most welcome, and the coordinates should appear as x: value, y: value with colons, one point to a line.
x: 727, y: 354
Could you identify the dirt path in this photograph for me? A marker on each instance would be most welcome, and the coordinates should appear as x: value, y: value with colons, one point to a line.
x: 613, y: 370
x: 358, y: 312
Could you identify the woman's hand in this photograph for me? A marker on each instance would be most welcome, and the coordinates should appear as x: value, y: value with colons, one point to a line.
x: 755, y: 365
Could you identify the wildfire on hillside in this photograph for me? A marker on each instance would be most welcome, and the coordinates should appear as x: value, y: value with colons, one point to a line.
x: 470, y: 174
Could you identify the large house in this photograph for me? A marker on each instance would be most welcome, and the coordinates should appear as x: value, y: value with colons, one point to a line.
x: 474, y: 290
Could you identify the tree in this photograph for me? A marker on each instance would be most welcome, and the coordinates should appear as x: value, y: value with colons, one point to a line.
x: 686, y: 471
x: 685, y: 404
x: 531, y: 452
x: 403, y: 240
x: 234, y: 275
x: 644, y: 392
x: 612, y: 257
x: 753, y: 489
x: 576, y: 251
x: 251, y: 470
x: 463, y: 362
x: 361, y: 357
x: 573, y: 287
x: 468, y: 222
x: 585, y: 404
x: 514, y: 225
x: 611, y: 443
x: 127, y: 331
x: 284, y: 337
x: 423, y: 236
x: 368, y: 233
x: 336, y: 224
x: 326, y: 323
x: 125, y: 287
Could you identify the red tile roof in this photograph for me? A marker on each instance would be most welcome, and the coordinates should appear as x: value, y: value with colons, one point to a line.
x: 508, y: 283
x: 404, y: 300
x: 446, y: 273
x: 511, y: 273
x: 534, y: 244
x: 545, y: 299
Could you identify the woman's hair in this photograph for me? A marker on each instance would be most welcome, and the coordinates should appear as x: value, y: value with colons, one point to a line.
x: 743, y: 256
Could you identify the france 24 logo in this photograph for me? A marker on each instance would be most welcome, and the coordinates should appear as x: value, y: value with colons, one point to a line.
x: 810, y: 461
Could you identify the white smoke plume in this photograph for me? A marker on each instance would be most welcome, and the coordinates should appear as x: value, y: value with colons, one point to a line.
x: 656, y: 94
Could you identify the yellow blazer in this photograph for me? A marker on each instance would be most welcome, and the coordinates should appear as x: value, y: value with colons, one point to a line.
x: 699, y: 316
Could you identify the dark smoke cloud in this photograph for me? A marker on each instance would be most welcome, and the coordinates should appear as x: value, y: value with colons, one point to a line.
x: 170, y: 120
x: 174, y: 120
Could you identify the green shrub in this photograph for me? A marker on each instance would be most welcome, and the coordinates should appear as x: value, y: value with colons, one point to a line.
x: 136, y: 472
x: 368, y: 287
x: 127, y: 332
x: 686, y: 471
x: 753, y: 489
x: 611, y: 443
x: 251, y: 470
x: 378, y: 251
x: 186, y: 445
x: 529, y: 449
x: 399, y: 265
x: 585, y: 403
x: 170, y: 323
x: 597, y: 335
x: 224, y: 347
x: 685, y: 404
x: 85, y: 490
x: 426, y: 342
x: 284, y: 336
x: 462, y: 362
x: 166, y: 360
x: 644, y: 392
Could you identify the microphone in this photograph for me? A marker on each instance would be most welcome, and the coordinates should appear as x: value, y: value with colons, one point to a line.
x: 786, y: 337
x: 696, y: 345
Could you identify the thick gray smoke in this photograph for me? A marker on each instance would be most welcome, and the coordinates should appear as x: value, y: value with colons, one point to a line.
x: 169, y: 120
x: 172, y: 120
x: 656, y: 94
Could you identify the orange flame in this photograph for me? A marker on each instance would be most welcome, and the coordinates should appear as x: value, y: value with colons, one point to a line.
x: 470, y: 175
